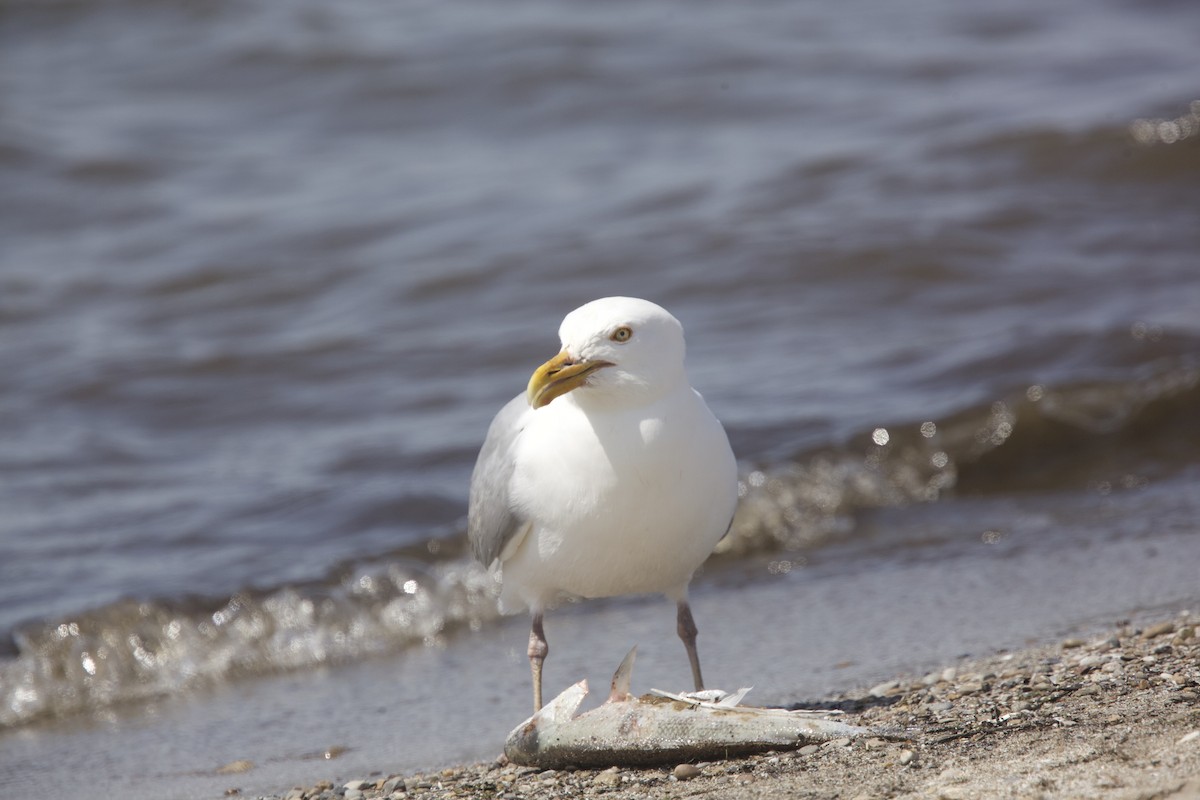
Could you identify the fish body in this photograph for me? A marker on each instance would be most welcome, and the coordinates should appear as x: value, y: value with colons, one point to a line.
x: 660, y: 729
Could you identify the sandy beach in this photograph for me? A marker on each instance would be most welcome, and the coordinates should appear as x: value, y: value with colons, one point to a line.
x: 1115, y: 714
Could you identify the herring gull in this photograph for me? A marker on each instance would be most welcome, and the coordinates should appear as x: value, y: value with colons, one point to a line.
x: 608, y: 476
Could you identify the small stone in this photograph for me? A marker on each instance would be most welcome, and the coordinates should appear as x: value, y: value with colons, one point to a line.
x: 393, y: 784
x: 906, y: 757
x: 353, y: 794
x: 354, y: 786
x: 1069, y: 644
x: 886, y: 689
x: 953, y: 775
x: 835, y: 743
x: 685, y: 772
x: 609, y: 777
x: 1090, y: 662
x: 1161, y: 629
x: 232, y: 792
x: 294, y: 794
x: 949, y: 674
x: 1185, y: 633
x: 809, y: 749
x: 1189, y: 737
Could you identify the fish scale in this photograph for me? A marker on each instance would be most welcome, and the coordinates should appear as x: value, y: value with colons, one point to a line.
x: 652, y: 729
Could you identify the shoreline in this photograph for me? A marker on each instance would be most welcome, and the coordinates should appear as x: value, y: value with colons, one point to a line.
x: 1114, y: 715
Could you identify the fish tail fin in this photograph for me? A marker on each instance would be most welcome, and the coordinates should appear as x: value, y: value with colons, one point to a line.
x: 621, y: 678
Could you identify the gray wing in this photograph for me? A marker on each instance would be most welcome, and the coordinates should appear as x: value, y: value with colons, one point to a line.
x: 491, y: 520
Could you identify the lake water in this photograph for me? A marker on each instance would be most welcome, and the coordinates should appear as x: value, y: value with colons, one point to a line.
x: 268, y: 269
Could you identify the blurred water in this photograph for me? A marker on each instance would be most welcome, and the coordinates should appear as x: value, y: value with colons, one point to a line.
x: 267, y: 270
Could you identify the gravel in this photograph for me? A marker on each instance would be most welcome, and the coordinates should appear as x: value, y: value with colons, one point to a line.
x: 1114, y: 715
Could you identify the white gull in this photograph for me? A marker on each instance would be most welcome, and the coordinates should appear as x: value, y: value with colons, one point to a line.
x: 609, y: 476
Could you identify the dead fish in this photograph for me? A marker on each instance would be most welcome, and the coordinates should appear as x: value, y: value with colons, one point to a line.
x: 660, y: 728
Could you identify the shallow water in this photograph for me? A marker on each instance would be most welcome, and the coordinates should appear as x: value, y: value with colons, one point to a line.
x: 267, y: 270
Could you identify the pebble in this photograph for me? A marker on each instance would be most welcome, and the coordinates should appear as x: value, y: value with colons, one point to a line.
x: 1189, y: 737
x: 685, y: 772
x: 354, y: 786
x: 885, y: 689
x: 609, y: 777
x: 835, y: 743
x: 353, y: 794
x: 809, y: 749
x: 393, y: 784
x: 954, y: 775
x: 1161, y: 629
x: 906, y: 757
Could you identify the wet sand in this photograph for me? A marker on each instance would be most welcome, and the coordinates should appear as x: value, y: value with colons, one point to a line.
x: 1114, y: 714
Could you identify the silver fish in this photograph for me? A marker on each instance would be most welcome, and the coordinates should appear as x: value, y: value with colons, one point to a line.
x: 660, y: 728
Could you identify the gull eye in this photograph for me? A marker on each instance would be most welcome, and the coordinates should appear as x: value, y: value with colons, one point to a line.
x: 622, y: 334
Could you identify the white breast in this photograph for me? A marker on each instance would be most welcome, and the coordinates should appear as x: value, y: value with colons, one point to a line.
x: 621, y: 501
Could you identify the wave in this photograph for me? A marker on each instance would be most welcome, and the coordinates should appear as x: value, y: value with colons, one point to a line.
x: 1078, y: 437
x: 132, y: 650
x: 1084, y: 436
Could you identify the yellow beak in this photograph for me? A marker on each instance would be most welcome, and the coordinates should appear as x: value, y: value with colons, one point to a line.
x: 558, y: 376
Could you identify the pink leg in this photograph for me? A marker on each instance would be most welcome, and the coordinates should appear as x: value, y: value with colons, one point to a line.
x: 538, y: 650
x: 686, y: 627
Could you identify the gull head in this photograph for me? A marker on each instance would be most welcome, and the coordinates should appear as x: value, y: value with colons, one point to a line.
x: 616, y: 351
